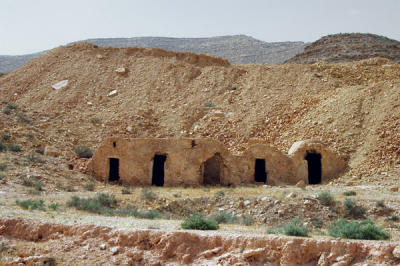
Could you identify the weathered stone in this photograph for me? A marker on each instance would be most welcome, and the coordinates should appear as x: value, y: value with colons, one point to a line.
x: 114, y: 250
x: 112, y: 93
x: 102, y: 246
x: 121, y: 70
x: 301, y: 184
x: 60, y: 85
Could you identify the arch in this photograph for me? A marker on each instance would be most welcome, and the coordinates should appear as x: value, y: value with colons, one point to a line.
x: 212, y: 170
x: 314, y: 167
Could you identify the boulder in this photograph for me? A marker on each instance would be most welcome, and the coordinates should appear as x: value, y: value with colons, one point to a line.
x: 60, y: 85
x: 121, y: 70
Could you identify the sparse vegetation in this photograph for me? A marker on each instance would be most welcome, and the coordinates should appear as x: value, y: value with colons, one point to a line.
x: 32, y: 182
x: 54, y: 206
x: 248, y: 220
x: 5, y: 137
x: 353, y: 210
x: 101, y: 204
x: 317, y: 222
x: 126, y: 190
x: 224, y: 218
x: 380, y: 204
x: 31, y: 204
x: 90, y: 185
x: 35, y: 158
x: 357, y: 230
x: 3, y: 167
x: 198, y: 222
x: 3, y: 147
x: 209, y: 104
x: 83, y: 151
x: 326, y: 198
x: 2, y: 176
x: 350, y: 193
x: 294, y: 228
x: 220, y: 193
x: 14, y: 147
x: 147, y: 194
x: 95, y: 120
x: 394, y: 218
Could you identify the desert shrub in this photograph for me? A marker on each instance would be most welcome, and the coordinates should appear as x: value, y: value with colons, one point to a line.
x: 2, y: 176
x: 12, y: 106
x: 326, y: 198
x: 83, y: 151
x: 35, y: 158
x: 198, y: 222
x: 7, y: 111
x: 3, y: 147
x: 293, y: 228
x: 394, y: 218
x: 317, y: 222
x: 132, y: 211
x: 209, y: 104
x: 148, y: 214
x: 31, y: 204
x: 220, y: 193
x: 224, y: 218
x: 248, y: 220
x: 40, y: 150
x: 14, y: 147
x: 3, y: 166
x: 126, y: 190
x: 90, y: 186
x: 350, y: 193
x: 147, y: 194
x: 234, y: 87
x: 357, y: 230
x: 5, y: 137
x: 30, y: 135
x: 177, y: 195
x: 32, y: 182
x: 54, y: 206
x: 23, y: 118
x: 353, y: 210
x: 101, y: 204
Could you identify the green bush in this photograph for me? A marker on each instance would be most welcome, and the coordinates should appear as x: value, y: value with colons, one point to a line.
x: 224, y: 218
x: 350, y: 193
x: 89, y: 186
x: 54, y: 206
x: 3, y: 147
x: 14, y: 147
x: 393, y: 218
x: 101, y: 204
x: 3, y: 166
x: 147, y: 194
x: 2, y: 176
x: 294, y: 228
x: 326, y: 198
x: 12, y: 106
x: 7, y: 111
x: 353, y: 210
x: 220, y: 193
x: 357, y: 230
x: 83, y: 151
x: 198, y: 222
x: 31, y: 204
x: 5, y: 137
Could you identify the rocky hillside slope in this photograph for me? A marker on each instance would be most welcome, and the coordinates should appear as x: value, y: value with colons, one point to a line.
x: 238, y: 49
x: 348, y: 47
x: 352, y: 107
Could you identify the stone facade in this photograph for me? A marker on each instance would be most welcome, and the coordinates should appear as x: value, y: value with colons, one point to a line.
x: 194, y: 162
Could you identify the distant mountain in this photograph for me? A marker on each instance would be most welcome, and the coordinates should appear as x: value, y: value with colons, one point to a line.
x: 347, y: 47
x: 238, y: 49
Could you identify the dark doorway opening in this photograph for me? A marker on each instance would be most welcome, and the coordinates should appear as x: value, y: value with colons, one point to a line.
x: 114, y: 170
x: 260, y: 174
x: 212, y: 170
x: 314, y: 168
x: 158, y: 170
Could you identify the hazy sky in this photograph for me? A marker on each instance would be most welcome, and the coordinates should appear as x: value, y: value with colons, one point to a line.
x: 33, y: 25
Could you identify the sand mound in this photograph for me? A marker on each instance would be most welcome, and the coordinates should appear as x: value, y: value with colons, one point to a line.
x: 352, y: 107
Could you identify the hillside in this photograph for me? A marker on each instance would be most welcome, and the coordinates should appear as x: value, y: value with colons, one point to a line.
x: 348, y: 47
x: 352, y: 107
x: 238, y: 49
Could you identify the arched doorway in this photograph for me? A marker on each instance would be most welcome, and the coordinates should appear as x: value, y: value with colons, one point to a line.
x: 212, y: 170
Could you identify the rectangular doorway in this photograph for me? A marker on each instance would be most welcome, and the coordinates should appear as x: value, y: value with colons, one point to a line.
x: 114, y: 170
x: 158, y: 170
x: 260, y: 174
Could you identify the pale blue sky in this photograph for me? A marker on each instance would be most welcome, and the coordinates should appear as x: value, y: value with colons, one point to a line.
x: 33, y: 25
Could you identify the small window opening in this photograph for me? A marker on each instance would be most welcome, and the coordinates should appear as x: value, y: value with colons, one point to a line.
x: 193, y: 144
x: 212, y: 170
x: 114, y: 170
x: 260, y: 174
x: 158, y: 170
x: 314, y: 167
x: 114, y: 144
